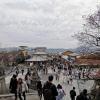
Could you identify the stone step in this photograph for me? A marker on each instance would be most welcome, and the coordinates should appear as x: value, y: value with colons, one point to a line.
x: 28, y: 97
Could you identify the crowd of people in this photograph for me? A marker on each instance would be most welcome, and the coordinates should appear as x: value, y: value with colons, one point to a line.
x: 20, y: 86
x: 69, y: 73
x: 67, y: 70
x: 48, y: 90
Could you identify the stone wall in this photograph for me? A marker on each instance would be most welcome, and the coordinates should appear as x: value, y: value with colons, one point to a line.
x: 2, y: 85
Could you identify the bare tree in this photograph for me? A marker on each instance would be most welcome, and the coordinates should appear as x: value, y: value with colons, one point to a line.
x: 83, y: 50
x: 91, y: 36
x: 91, y: 30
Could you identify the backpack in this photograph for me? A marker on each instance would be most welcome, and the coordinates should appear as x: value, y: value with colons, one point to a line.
x: 47, y: 92
x: 72, y: 93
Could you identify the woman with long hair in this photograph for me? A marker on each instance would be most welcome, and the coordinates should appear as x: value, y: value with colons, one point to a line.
x: 22, y: 89
x: 61, y: 92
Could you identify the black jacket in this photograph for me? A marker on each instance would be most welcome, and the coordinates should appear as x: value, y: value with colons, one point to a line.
x: 83, y: 97
x: 72, y: 93
x: 13, y: 85
x: 53, y: 88
x: 39, y: 86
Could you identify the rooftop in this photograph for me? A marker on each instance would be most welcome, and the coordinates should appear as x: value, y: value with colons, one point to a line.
x: 87, y: 62
x: 36, y: 58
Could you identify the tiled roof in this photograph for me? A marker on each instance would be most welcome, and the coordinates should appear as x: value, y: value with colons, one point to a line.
x: 39, y: 53
x: 91, y: 56
x: 36, y: 58
x: 67, y: 53
x: 73, y: 54
x: 87, y: 62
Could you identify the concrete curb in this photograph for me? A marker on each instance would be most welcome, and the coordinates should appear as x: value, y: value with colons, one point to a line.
x: 11, y: 95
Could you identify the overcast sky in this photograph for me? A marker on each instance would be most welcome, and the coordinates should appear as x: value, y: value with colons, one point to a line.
x: 49, y: 23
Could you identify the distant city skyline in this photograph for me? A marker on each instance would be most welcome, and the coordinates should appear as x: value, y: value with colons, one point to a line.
x: 43, y: 23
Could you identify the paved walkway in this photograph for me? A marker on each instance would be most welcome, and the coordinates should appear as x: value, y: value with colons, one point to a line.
x: 30, y: 97
x: 66, y: 87
x: 80, y: 85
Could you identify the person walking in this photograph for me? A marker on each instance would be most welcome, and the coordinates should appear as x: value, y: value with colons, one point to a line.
x: 22, y: 89
x: 49, y: 89
x: 83, y: 95
x: 61, y: 92
x: 39, y: 88
x: 79, y: 75
x: 29, y: 71
x: 17, y: 72
x: 46, y: 70
x: 57, y: 76
x: 28, y: 80
x: 13, y: 85
x: 22, y: 71
x: 71, y: 80
x: 73, y: 94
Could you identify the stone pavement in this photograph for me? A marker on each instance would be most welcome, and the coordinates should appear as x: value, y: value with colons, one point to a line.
x: 79, y: 85
x: 29, y: 97
x: 76, y: 83
x: 66, y: 87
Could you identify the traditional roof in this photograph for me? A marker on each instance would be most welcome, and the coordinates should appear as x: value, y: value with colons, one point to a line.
x: 66, y: 53
x: 39, y: 53
x: 73, y: 54
x: 36, y: 58
x: 65, y: 57
x: 91, y: 56
x: 40, y: 49
x: 87, y: 62
x: 23, y: 47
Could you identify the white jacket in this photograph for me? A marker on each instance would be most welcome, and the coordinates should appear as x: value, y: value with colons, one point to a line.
x: 60, y: 94
x: 22, y: 87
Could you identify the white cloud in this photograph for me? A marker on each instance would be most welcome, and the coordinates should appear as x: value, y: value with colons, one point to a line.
x: 48, y: 23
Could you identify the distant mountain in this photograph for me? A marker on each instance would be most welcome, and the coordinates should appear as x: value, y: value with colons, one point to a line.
x: 49, y: 50
x: 59, y: 50
x: 52, y: 50
x: 9, y: 49
x: 86, y: 50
